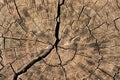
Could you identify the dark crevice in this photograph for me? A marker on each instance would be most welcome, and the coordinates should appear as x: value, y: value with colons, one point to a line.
x: 56, y: 65
x: 57, y: 28
x: 4, y: 42
x: 96, y: 44
x: 29, y: 65
x: 2, y: 66
x: 63, y: 1
x: 98, y: 47
x: 57, y: 35
x: 12, y: 68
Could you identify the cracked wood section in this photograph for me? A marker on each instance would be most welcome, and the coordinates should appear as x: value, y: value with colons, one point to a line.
x: 59, y: 39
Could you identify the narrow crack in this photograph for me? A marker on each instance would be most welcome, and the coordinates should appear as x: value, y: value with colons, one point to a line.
x: 56, y: 65
x: 1, y: 59
x: 2, y: 66
x: 98, y: 26
x: 98, y: 48
x: 81, y: 12
x: 20, y: 17
x: 4, y: 43
x: 12, y: 68
x: 23, y: 39
x: 114, y: 77
x: 17, y: 10
x: 72, y: 57
x: 105, y: 72
x: 115, y: 24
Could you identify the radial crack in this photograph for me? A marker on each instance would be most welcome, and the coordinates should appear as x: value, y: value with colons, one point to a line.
x: 32, y: 63
x: 57, y: 34
x: 17, y: 10
x: 20, y: 17
x: 81, y: 12
x: 115, y: 23
x: 98, y: 49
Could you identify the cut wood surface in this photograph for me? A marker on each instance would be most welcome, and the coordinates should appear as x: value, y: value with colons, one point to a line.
x: 59, y: 39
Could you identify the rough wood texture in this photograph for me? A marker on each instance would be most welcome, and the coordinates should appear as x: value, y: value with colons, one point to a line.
x: 59, y: 39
